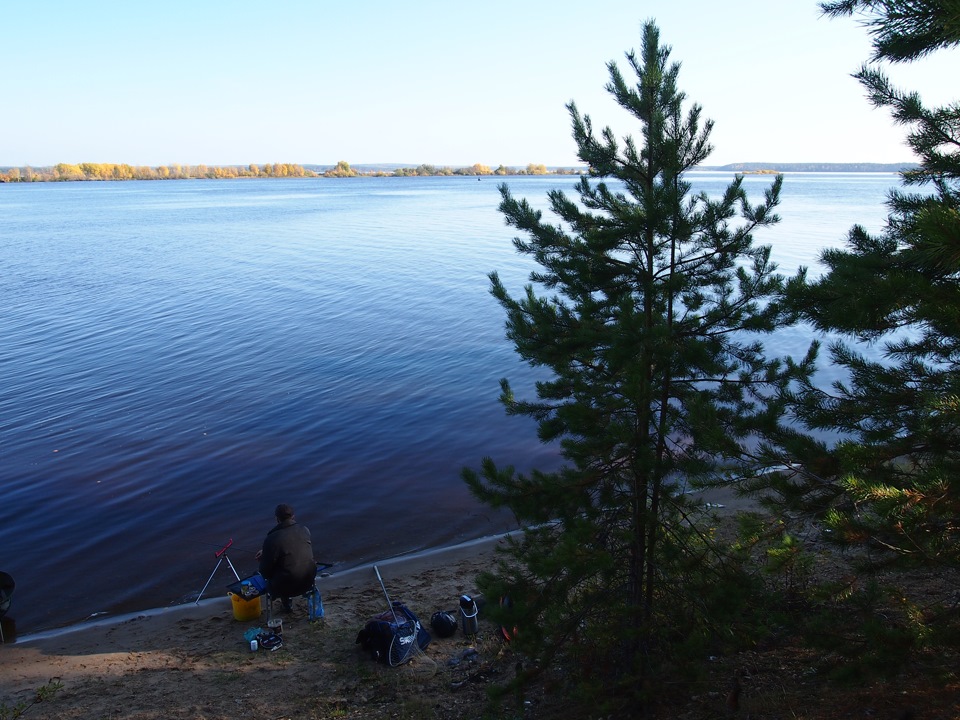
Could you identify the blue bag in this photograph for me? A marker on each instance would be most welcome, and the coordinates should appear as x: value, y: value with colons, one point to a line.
x: 394, y: 636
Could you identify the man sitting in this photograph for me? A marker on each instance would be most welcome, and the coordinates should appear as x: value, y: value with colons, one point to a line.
x: 286, y: 559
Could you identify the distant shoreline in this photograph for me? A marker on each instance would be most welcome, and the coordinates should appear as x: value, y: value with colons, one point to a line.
x: 99, y: 172
x: 773, y: 167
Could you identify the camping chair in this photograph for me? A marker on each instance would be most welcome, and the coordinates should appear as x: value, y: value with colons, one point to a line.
x: 312, y: 596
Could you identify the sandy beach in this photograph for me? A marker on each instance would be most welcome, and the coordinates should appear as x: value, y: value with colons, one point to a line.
x: 192, y: 661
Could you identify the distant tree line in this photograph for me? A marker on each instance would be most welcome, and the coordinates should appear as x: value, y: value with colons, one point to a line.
x: 773, y: 168
x: 65, y: 172
x: 478, y: 169
x: 343, y: 169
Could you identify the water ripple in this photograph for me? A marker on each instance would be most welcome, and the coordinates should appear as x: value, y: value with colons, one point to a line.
x: 178, y: 357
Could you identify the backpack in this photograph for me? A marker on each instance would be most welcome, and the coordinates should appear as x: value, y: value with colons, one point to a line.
x: 392, y: 637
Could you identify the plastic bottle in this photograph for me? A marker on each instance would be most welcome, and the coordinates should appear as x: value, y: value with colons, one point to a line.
x: 253, y: 646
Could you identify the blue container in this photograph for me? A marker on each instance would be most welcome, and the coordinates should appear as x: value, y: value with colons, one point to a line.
x: 315, y: 604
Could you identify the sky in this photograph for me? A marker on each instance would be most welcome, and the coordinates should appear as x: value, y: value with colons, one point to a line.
x: 441, y: 82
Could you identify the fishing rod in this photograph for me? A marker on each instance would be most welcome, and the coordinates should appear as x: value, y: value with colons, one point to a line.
x: 219, y: 545
x: 321, y: 565
x: 386, y: 595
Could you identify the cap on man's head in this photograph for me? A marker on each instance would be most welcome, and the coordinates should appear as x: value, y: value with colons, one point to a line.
x: 283, y: 512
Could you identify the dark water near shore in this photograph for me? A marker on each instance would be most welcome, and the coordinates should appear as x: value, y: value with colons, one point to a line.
x: 178, y: 357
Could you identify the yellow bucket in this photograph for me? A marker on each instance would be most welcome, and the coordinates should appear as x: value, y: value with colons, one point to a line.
x: 244, y: 610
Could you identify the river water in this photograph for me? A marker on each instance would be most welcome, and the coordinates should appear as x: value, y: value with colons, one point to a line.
x: 178, y: 357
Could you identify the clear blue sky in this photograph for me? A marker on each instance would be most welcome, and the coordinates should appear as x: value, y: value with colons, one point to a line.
x: 438, y: 81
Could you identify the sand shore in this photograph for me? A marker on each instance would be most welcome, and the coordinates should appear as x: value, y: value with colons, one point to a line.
x: 192, y: 661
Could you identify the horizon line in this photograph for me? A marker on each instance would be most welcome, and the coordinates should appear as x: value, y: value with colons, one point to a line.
x: 395, y: 165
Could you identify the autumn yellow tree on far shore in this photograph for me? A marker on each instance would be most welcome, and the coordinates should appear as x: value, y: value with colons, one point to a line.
x: 67, y: 172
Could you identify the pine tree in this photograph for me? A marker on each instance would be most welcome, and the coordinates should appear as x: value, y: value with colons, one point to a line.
x: 897, y: 468
x: 650, y: 335
x: 904, y: 29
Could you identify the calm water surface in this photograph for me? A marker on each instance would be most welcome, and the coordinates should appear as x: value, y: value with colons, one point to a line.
x: 178, y: 357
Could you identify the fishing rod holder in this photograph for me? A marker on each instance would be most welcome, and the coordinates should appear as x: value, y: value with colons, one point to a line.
x: 220, y: 555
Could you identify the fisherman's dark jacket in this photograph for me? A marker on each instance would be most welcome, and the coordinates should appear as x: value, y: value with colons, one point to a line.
x: 287, y: 560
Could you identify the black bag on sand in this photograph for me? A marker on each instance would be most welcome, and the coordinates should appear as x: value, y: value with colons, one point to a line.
x: 393, y: 637
x: 443, y: 624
